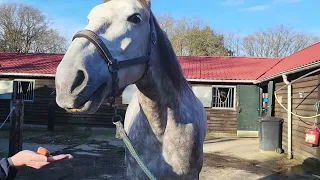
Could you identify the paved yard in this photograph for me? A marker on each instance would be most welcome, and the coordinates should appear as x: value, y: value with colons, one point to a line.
x: 97, y: 155
x: 241, y: 159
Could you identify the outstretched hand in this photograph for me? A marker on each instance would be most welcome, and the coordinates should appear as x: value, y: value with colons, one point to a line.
x: 34, y: 160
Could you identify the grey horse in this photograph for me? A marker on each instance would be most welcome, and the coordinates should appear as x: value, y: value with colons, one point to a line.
x: 165, y: 121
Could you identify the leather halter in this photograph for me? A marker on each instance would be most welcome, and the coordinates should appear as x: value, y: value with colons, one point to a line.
x: 113, y: 64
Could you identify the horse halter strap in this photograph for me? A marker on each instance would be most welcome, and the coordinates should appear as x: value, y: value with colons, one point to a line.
x: 113, y: 64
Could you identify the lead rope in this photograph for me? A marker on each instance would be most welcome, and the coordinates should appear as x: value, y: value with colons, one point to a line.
x: 121, y: 134
x: 116, y: 119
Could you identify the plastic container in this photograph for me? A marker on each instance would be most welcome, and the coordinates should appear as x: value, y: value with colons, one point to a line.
x: 270, y: 134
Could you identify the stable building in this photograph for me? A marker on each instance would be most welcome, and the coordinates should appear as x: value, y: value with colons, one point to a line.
x: 296, y: 103
x: 225, y: 86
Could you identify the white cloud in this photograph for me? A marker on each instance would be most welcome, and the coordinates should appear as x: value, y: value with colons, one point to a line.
x: 232, y: 2
x: 257, y: 8
x: 286, y: 1
x: 268, y: 6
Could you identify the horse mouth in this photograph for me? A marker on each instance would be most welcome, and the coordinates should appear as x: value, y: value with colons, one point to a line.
x: 93, y: 103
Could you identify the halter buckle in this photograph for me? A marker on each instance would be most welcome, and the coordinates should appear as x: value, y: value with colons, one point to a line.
x: 116, y: 117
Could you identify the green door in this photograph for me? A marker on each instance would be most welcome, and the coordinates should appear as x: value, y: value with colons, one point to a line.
x: 249, y: 108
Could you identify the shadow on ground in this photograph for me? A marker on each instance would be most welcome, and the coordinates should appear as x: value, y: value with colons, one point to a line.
x: 221, y: 161
x: 93, y: 159
x: 107, y: 164
x: 306, y: 170
x: 217, y: 140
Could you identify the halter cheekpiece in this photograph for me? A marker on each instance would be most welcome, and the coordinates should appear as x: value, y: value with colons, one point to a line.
x: 113, y: 64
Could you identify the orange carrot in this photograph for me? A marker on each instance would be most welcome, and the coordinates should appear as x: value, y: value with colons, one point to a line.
x: 43, y: 151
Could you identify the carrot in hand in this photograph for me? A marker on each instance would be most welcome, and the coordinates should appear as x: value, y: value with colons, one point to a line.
x: 43, y: 151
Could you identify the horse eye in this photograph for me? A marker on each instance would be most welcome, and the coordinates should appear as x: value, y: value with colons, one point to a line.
x: 135, y: 18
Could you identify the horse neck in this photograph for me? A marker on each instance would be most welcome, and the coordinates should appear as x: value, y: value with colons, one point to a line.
x: 159, y: 100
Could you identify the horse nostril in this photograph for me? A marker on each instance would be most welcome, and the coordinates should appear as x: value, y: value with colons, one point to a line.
x: 78, y: 81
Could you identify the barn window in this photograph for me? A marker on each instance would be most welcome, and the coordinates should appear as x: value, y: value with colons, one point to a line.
x: 223, y: 97
x: 128, y: 94
x: 24, y: 90
x: 204, y: 93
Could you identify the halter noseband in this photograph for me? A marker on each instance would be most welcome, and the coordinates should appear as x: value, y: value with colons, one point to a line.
x: 113, y: 64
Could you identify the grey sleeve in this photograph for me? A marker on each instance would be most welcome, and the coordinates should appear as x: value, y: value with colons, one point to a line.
x: 4, y: 168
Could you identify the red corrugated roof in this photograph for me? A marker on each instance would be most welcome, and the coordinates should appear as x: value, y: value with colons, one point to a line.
x: 299, y: 59
x: 29, y: 63
x: 210, y: 68
x: 226, y: 67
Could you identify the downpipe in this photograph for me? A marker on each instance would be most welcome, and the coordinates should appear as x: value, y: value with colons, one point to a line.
x: 289, y: 115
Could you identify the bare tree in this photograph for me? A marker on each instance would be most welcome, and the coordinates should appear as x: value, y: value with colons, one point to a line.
x: 50, y: 42
x: 24, y: 28
x: 167, y: 23
x: 190, y: 36
x: 279, y: 41
x: 233, y: 42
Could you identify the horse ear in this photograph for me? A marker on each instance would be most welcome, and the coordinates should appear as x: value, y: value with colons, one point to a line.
x: 148, y: 2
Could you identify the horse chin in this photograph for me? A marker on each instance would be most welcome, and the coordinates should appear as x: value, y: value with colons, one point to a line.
x: 94, y: 102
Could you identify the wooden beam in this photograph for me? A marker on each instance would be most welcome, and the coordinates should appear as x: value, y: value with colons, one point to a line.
x: 51, y: 116
x: 16, y: 132
x: 270, y: 98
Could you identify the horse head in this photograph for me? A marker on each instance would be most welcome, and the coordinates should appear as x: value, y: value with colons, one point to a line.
x: 85, y: 76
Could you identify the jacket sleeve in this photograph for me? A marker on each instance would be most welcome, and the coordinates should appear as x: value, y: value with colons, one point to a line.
x: 4, y: 168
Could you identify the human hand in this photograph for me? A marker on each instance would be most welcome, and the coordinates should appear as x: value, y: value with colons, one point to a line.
x: 34, y: 160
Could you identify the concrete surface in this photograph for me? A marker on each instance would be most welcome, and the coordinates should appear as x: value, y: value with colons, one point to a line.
x: 241, y: 159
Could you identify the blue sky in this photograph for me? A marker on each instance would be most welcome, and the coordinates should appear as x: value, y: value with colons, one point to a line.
x: 242, y: 16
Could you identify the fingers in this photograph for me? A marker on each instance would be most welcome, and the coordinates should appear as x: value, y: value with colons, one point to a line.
x: 39, y: 158
x: 40, y: 161
x: 59, y: 157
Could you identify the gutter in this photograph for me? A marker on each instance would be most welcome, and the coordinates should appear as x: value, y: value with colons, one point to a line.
x: 191, y: 80
x: 27, y: 75
x: 291, y: 71
x: 289, y: 115
x: 219, y: 81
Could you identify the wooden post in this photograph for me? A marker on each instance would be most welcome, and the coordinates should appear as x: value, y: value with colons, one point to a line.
x: 51, y: 115
x: 16, y: 131
x: 270, y: 98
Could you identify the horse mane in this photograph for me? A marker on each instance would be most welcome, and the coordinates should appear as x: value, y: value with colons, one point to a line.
x: 168, y: 58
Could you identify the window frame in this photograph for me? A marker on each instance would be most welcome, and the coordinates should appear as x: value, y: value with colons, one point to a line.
x: 234, y: 97
x: 15, y: 81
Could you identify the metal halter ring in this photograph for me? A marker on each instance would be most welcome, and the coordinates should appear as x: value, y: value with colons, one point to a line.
x: 116, y: 118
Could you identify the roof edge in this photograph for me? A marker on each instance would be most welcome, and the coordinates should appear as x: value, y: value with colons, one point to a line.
x: 27, y: 74
x: 191, y: 80
x: 290, y: 71
x: 221, y: 80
